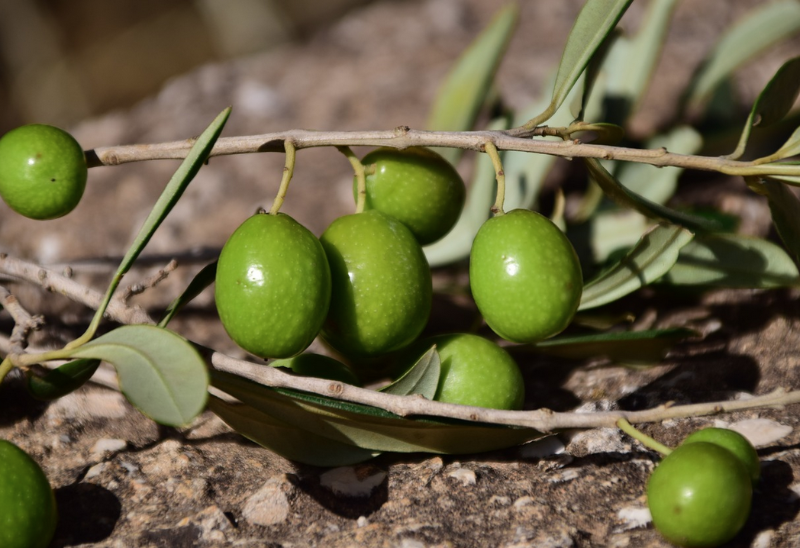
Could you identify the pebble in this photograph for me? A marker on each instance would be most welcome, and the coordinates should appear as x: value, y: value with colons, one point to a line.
x: 464, y: 475
x: 270, y: 504
x: 633, y: 517
x: 108, y: 445
x: 761, y: 432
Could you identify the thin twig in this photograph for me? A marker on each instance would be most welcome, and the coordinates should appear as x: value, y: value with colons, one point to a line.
x: 24, y: 322
x: 148, y: 283
x: 403, y: 137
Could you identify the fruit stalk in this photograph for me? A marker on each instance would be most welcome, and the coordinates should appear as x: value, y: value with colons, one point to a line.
x: 643, y: 438
x: 491, y: 150
x: 361, y: 177
x: 288, y: 171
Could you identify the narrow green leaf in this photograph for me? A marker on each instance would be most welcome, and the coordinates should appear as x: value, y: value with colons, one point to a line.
x: 626, y: 198
x: 785, y: 208
x: 199, y: 283
x: 627, y: 346
x: 773, y: 103
x: 790, y: 148
x: 650, y: 259
x: 465, y: 90
x: 370, y: 428
x: 422, y: 378
x: 456, y: 244
x: 159, y: 372
x: 729, y: 260
x: 757, y: 30
x: 286, y: 440
x: 596, y: 20
x: 62, y: 380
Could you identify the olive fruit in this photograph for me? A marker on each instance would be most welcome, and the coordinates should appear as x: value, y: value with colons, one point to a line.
x: 273, y: 286
x: 381, y: 285
x: 317, y: 365
x: 416, y: 186
x: 525, y: 276
x: 28, y: 513
x: 735, y: 443
x: 699, y: 495
x: 42, y: 171
x: 474, y: 371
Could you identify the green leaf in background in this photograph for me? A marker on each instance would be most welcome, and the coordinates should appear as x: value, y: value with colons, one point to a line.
x: 790, y: 148
x: 456, y: 244
x: 595, y: 22
x: 762, y: 27
x: 773, y: 103
x: 61, y: 381
x: 626, y: 198
x: 422, y: 378
x: 467, y: 85
x: 625, y: 347
x: 369, y: 427
x: 286, y: 440
x: 650, y: 259
x: 729, y: 260
x: 159, y: 372
x: 199, y: 283
x: 785, y: 208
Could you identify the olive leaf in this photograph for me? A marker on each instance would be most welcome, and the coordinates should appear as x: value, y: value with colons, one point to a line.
x: 790, y: 148
x: 785, y: 208
x: 757, y: 30
x: 369, y: 427
x: 627, y: 346
x: 595, y: 22
x: 650, y: 259
x: 729, y: 260
x: 286, y: 440
x: 199, y: 283
x: 160, y: 373
x: 422, y: 378
x: 773, y: 103
x: 464, y: 92
x: 62, y: 380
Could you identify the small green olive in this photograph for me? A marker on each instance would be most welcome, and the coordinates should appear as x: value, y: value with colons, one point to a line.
x: 42, y: 171
x: 273, y: 286
x: 525, y: 276
x: 735, y: 443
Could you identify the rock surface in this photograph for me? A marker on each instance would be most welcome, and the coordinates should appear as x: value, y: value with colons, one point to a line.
x: 123, y: 481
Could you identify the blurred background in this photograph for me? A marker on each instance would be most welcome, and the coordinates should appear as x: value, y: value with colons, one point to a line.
x: 65, y: 60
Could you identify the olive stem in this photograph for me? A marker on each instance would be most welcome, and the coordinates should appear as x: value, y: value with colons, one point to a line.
x: 361, y: 178
x: 491, y: 150
x: 288, y: 171
x: 5, y: 367
x: 642, y: 438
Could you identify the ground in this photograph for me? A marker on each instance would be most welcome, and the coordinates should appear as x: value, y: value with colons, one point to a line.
x: 123, y: 481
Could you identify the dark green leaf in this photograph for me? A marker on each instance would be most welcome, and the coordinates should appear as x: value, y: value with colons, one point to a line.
x: 422, y: 378
x: 773, y: 103
x: 785, y: 208
x: 728, y: 260
x: 286, y: 440
x: 370, y: 428
x: 650, y: 259
x: 627, y: 346
x: 159, y: 372
x: 762, y: 27
x: 62, y: 380
x: 596, y: 20
x: 465, y: 90
x: 202, y: 280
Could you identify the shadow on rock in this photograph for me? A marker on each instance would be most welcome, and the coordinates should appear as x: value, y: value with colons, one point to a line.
x: 773, y: 503
x: 16, y: 403
x: 86, y: 513
x: 350, y: 491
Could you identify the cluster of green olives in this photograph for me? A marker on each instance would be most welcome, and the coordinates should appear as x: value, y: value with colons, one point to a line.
x: 365, y: 285
x: 28, y: 513
x: 700, y: 494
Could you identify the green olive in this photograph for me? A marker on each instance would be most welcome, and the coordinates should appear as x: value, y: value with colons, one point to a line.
x: 735, y: 443
x: 525, y: 276
x: 319, y: 366
x: 273, y: 286
x: 699, y: 495
x: 417, y: 187
x: 474, y: 371
x: 28, y: 513
x: 381, y: 285
x: 42, y: 171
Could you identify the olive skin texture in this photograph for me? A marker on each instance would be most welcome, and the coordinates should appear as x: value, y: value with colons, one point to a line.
x: 525, y: 276
x: 417, y: 187
x: 474, y: 371
x: 273, y: 286
x: 319, y: 366
x: 28, y: 512
x: 42, y: 171
x: 381, y: 285
x: 699, y: 495
x: 735, y: 443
